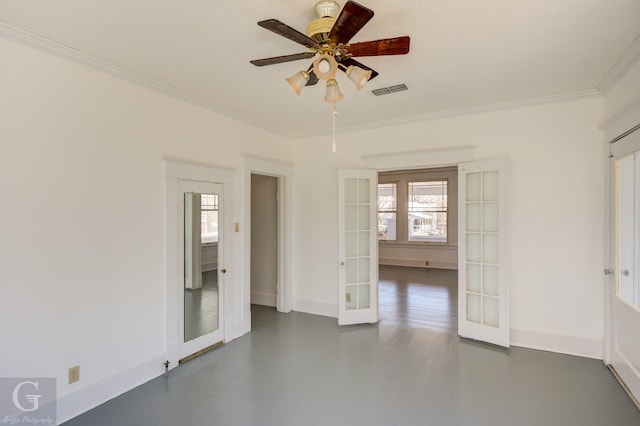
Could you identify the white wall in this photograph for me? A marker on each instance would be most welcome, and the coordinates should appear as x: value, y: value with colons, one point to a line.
x: 82, y: 217
x: 555, y: 151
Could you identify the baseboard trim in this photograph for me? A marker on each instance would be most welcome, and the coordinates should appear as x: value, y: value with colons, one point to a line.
x: 569, y: 345
x: 316, y: 308
x: 264, y: 299
x: 83, y: 399
x: 415, y: 263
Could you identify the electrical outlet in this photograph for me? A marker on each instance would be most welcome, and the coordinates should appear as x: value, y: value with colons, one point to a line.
x: 74, y: 374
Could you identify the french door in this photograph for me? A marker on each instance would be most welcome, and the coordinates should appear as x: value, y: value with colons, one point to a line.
x: 200, y: 269
x: 357, y: 246
x: 483, y: 293
x: 624, y: 341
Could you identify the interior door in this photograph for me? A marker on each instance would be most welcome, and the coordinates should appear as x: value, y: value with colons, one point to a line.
x: 357, y: 246
x: 201, y: 267
x: 625, y: 302
x: 483, y: 293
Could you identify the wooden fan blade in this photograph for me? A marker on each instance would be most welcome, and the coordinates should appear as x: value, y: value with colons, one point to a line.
x: 286, y: 31
x: 388, y: 46
x: 281, y: 59
x: 313, y: 78
x: 350, y: 20
x: 350, y: 61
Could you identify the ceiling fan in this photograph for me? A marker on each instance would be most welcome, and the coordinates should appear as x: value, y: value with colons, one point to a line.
x: 329, y: 38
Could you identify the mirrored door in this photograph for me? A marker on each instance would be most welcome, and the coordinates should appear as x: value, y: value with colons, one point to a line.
x: 201, y: 306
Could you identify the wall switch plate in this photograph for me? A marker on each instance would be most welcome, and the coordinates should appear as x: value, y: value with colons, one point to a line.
x: 74, y: 374
x: 236, y: 227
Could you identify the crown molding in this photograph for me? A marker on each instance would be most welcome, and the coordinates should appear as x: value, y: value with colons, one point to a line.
x: 621, y: 68
x: 562, y: 97
x: 69, y: 53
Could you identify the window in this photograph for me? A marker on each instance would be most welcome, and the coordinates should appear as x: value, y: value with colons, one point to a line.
x: 415, y: 208
x: 387, y: 210
x: 427, y: 211
x: 209, y: 218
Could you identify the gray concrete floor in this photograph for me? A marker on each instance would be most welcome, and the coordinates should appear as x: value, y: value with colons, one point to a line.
x: 301, y: 369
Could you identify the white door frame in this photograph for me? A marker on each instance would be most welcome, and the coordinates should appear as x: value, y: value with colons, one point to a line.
x: 283, y: 172
x: 614, y: 310
x: 176, y: 170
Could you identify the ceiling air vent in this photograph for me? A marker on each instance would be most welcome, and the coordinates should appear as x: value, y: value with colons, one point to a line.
x: 390, y: 89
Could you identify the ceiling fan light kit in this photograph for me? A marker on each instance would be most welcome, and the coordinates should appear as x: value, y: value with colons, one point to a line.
x: 298, y: 81
x: 358, y: 76
x: 333, y: 94
x: 329, y: 36
x: 325, y: 67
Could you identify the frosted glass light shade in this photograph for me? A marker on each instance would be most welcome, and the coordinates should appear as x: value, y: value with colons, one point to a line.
x: 333, y: 92
x: 327, y: 9
x: 298, y: 81
x: 358, y: 76
x: 325, y: 67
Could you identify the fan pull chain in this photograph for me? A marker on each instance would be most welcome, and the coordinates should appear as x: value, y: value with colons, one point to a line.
x: 333, y: 146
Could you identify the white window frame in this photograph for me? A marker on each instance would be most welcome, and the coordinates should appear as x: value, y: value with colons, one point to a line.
x: 401, y: 178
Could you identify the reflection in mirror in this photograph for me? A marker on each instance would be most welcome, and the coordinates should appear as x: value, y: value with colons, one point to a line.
x: 201, y: 297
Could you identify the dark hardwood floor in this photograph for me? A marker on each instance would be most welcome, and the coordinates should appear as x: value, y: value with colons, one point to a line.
x: 419, y: 298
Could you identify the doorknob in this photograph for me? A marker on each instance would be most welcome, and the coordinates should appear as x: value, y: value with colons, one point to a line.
x: 224, y: 271
x: 625, y: 272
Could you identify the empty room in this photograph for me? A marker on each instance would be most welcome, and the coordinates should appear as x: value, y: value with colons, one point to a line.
x: 450, y: 234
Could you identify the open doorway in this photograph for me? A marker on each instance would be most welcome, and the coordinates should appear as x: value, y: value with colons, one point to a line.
x: 418, y: 257
x: 264, y: 248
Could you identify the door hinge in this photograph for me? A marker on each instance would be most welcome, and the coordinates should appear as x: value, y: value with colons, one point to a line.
x: 608, y: 271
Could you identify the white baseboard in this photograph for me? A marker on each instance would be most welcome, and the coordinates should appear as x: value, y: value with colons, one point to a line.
x: 264, y: 299
x: 570, y: 345
x: 417, y: 263
x: 83, y: 399
x: 316, y: 308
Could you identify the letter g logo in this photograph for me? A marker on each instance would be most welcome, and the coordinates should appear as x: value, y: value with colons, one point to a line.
x: 34, y: 399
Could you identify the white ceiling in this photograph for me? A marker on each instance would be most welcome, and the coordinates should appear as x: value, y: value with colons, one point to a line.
x: 464, y: 53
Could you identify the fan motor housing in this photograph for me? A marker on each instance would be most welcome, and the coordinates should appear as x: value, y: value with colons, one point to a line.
x: 319, y: 29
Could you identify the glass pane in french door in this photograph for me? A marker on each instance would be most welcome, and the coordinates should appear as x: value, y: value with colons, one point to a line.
x: 482, y: 248
x: 357, y: 243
